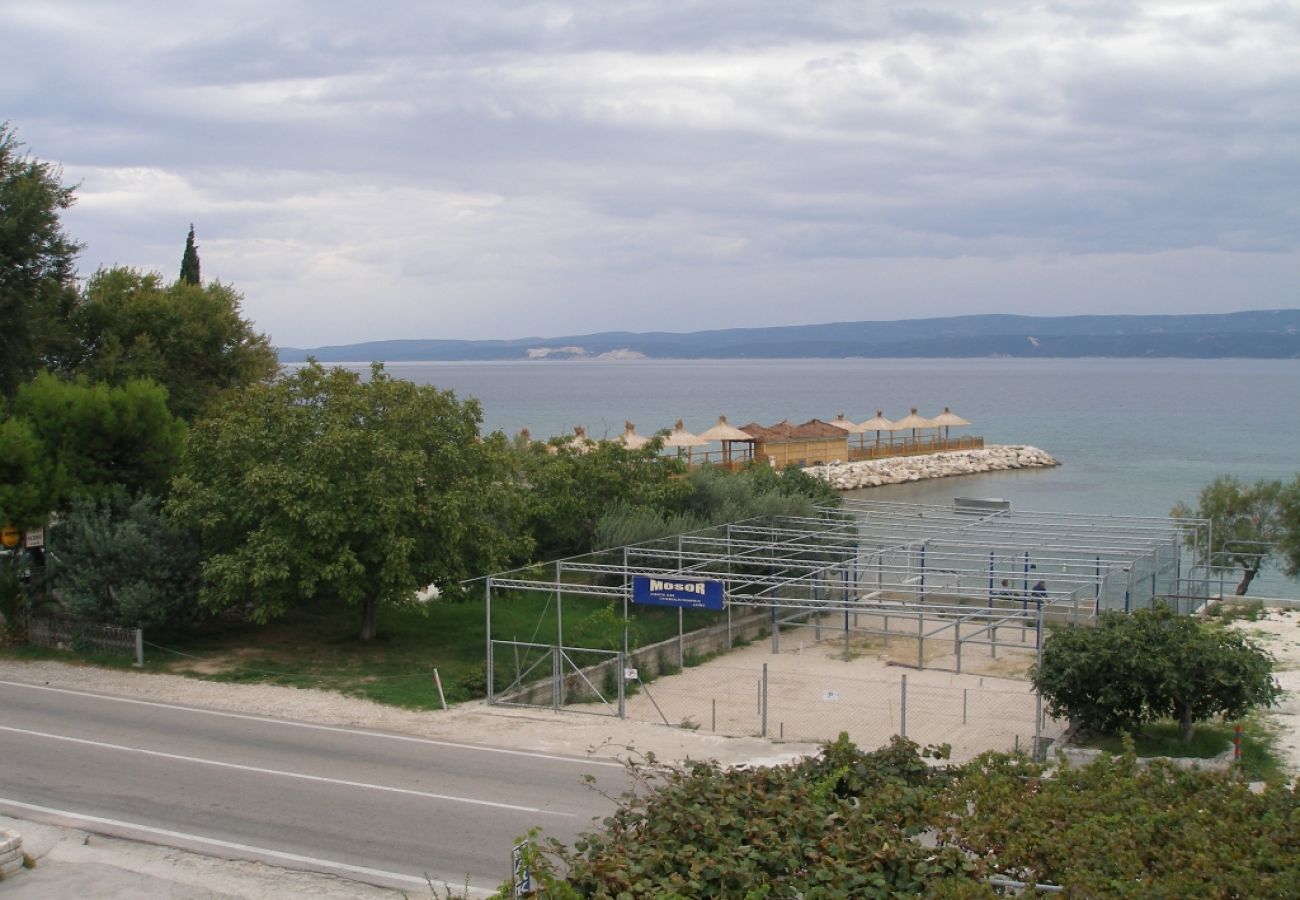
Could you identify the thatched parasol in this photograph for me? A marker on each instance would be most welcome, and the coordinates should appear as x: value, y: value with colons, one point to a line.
x: 630, y: 439
x: 679, y: 437
x: 878, y: 423
x: 913, y: 421
x: 726, y: 434
x: 844, y: 424
x: 948, y: 419
x: 578, y: 442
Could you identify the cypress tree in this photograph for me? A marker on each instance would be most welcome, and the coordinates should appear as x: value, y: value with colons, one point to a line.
x: 190, y: 261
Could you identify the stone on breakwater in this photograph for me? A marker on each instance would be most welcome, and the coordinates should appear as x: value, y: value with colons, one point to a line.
x: 898, y: 469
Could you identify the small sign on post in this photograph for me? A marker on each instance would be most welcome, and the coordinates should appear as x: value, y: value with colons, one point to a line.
x: 631, y: 675
x: 523, y: 880
x: 33, y: 538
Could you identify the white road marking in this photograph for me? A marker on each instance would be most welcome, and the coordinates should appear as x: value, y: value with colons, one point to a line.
x: 313, y: 726
x: 242, y: 848
x: 302, y: 776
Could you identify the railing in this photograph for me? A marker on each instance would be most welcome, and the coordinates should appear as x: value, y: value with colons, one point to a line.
x: 739, y: 457
x: 913, y: 447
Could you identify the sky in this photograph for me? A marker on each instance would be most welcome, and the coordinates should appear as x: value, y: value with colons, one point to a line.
x: 369, y: 171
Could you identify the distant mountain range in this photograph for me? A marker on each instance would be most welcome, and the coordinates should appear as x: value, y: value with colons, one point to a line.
x: 1263, y: 334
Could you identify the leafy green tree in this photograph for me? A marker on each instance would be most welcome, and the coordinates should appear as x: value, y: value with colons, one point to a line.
x: 569, y: 490
x: 1131, y: 669
x: 323, y: 486
x: 189, y: 338
x: 1288, y: 539
x: 1245, y: 524
x: 118, y: 560
x: 94, y: 438
x: 190, y: 261
x: 25, y: 476
x: 37, y: 287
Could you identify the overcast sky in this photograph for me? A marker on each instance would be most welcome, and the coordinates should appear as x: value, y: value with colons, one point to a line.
x: 380, y: 170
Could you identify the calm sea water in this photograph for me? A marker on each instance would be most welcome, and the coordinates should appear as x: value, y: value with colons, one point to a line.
x: 1134, y: 436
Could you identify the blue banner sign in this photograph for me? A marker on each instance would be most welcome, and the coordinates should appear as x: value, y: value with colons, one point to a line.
x: 688, y: 593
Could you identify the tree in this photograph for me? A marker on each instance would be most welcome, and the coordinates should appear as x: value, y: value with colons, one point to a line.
x: 118, y: 560
x: 37, y: 288
x: 190, y: 338
x: 1132, y: 669
x: 1245, y: 524
x: 96, y: 438
x: 569, y: 488
x: 1288, y: 541
x: 190, y: 261
x: 322, y: 486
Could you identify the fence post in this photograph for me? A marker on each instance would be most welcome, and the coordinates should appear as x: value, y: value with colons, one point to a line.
x: 139, y: 648
x: 902, y: 710
x: 763, y: 702
x: 681, y: 641
x: 1038, y: 727
x: 964, y: 692
x: 622, y: 685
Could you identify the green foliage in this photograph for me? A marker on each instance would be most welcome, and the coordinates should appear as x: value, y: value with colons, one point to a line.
x: 841, y: 825
x: 37, y: 274
x: 190, y: 261
x: 1117, y: 829
x: 886, y: 824
x: 322, y: 485
x: 25, y: 495
x: 70, y: 438
x: 1288, y: 537
x: 1132, y: 669
x: 1246, y: 521
x: 188, y: 337
x: 567, y: 492
x: 117, y: 560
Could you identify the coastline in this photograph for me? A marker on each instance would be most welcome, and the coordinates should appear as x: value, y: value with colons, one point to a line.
x: 898, y: 470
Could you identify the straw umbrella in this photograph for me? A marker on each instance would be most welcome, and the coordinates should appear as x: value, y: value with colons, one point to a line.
x: 947, y: 419
x: 913, y: 421
x: 679, y: 437
x: 578, y: 442
x: 879, y: 423
x: 630, y: 439
x: 845, y: 425
x: 727, y: 434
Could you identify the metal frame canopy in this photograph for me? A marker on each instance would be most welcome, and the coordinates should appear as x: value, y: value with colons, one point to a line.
x: 907, y: 559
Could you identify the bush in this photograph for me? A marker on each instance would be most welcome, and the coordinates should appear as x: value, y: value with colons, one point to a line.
x: 119, y: 561
x: 1132, y: 669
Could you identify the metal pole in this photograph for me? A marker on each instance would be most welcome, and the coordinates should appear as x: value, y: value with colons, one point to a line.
x: 622, y: 686
x: 1038, y: 726
x: 902, y: 710
x: 139, y: 648
x: 681, y: 641
x: 764, y: 702
x: 487, y: 596
x: 964, y: 692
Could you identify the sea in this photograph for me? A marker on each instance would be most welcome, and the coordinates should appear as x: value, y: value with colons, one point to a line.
x: 1134, y: 436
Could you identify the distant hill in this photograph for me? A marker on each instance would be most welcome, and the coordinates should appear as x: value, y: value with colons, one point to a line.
x: 1264, y: 334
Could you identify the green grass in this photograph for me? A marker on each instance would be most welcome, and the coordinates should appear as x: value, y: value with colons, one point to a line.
x: 1258, y: 760
x: 318, y: 646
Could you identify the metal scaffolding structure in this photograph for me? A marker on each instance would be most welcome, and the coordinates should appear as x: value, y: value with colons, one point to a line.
x: 974, y: 573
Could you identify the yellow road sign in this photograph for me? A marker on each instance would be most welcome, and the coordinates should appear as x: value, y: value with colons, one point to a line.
x: 10, y: 535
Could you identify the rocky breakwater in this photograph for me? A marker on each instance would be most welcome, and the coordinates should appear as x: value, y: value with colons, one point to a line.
x: 899, y: 469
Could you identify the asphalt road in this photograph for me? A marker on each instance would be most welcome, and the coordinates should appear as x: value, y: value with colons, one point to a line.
x: 383, y: 808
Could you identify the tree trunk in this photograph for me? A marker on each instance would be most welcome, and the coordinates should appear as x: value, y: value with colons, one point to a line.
x: 1247, y: 576
x: 1188, y: 725
x: 369, y: 608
